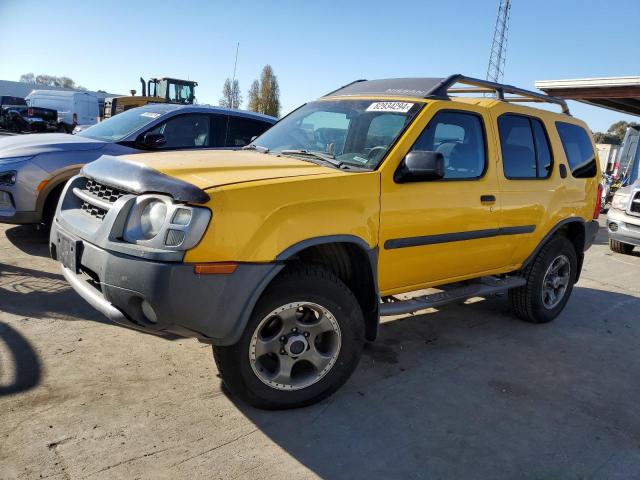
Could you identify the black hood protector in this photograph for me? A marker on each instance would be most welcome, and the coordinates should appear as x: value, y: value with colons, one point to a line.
x: 136, y: 178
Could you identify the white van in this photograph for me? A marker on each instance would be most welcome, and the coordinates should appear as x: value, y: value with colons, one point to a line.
x: 74, y: 108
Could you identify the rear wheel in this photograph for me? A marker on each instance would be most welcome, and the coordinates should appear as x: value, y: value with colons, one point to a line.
x: 620, y: 247
x: 303, y: 341
x: 550, y: 278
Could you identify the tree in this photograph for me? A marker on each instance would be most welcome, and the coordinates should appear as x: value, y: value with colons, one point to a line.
x: 231, y: 97
x: 28, y: 78
x: 601, y: 137
x: 264, y: 95
x: 50, y: 81
x: 618, y: 129
x: 269, y: 92
x: 254, y: 97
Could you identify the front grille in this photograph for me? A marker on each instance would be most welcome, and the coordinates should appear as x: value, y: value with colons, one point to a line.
x: 103, y: 192
x: 94, y: 211
x: 96, y: 198
x: 635, y: 204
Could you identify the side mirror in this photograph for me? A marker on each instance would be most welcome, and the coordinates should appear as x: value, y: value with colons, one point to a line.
x: 152, y: 140
x: 420, y: 165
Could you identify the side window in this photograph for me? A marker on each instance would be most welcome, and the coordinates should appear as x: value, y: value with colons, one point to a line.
x: 525, y: 148
x: 185, y: 131
x: 241, y: 130
x: 578, y: 149
x: 459, y: 136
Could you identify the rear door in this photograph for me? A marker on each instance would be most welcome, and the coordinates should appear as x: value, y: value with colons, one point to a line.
x: 531, y: 186
x: 241, y: 130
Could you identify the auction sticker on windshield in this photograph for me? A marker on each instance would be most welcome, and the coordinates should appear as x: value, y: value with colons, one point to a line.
x: 401, y: 107
x: 150, y: 114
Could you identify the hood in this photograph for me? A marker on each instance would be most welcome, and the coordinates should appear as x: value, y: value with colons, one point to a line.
x: 35, y: 144
x: 214, y: 168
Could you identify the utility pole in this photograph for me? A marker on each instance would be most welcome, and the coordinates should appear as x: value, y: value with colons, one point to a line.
x: 498, y: 57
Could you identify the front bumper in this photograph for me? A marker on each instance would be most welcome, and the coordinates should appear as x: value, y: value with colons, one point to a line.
x: 623, y: 227
x: 213, y: 308
x: 19, y: 202
x: 20, y: 218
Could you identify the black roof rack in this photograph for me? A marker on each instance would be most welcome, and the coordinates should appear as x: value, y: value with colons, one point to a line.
x: 440, y: 88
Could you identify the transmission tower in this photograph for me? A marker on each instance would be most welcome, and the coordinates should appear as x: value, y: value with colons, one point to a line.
x: 498, y: 57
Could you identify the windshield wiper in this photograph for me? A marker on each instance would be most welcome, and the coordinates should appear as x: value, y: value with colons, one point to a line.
x: 322, y: 156
x: 258, y: 148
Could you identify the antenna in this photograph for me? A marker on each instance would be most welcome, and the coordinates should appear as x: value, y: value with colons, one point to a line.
x: 498, y: 57
x: 233, y: 81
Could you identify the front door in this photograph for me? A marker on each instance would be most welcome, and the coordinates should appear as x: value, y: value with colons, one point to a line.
x: 440, y: 231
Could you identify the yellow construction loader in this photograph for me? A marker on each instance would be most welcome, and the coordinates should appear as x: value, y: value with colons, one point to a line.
x: 160, y: 90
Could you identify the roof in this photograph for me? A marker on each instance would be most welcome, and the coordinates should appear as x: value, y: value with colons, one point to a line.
x: 22, y: 89
x: 441, y: 88
x: 615, y: 93
x: 170, y: 107
x: 404, y: 87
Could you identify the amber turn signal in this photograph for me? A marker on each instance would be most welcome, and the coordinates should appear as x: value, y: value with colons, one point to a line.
x: 214, y: 268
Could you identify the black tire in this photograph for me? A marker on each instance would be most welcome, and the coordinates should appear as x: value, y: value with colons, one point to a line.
x: 620, y: 247
x: 50, y: 205
x: 307, y: 283
x: 526, y: 301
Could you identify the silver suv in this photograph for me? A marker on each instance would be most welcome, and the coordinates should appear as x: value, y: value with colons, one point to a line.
x: 35, y: 168
x: 623, y: 219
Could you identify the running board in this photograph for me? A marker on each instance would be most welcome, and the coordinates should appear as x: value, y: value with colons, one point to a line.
x: 484, y: 286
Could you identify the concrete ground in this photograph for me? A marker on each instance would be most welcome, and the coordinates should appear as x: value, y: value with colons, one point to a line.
x: 464, y: 392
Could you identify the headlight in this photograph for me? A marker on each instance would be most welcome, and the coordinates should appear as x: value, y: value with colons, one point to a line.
x: 8, y: 178
x: 158, y: 222
x: 152, y: 218
x: 620, y: 200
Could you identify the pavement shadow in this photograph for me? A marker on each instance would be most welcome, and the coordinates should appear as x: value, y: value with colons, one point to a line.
x: 39, y: 294
x: 602, y: 237
x: 30, y: 239
x: 24, y: 360
x: 469, y: 392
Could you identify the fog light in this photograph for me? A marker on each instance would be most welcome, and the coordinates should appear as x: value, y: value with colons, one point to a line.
x: 5, y: 200
x: 148, y: 311
x: 613, y: 226
x: 174, y: 238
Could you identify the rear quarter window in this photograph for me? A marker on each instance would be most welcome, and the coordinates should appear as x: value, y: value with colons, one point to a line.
x: 578, y: 150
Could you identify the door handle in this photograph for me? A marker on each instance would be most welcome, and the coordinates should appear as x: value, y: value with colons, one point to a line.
x: 488, y: 199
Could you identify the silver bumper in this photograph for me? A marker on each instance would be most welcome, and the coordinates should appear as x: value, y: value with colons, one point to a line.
x: 623, y: 227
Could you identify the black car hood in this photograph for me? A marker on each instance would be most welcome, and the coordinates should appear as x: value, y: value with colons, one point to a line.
x: 34, y: 144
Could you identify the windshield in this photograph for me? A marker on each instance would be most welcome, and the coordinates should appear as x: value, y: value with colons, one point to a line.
x: 353, y: 132
x: 120, y: 126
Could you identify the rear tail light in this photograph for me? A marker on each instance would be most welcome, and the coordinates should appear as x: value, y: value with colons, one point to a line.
x: 30, y: 112
x: 75, y: 118
x: 596, y: 210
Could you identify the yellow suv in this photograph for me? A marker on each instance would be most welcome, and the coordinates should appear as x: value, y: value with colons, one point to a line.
x: 285, y: 255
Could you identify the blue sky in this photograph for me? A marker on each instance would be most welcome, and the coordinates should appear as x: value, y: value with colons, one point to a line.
x: 315, y: 47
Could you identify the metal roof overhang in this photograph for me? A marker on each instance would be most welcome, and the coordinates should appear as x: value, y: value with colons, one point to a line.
x: 615, y: 93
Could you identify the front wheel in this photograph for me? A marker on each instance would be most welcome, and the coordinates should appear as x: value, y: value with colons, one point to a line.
x: 302, y: 342
x: 550, y: 278
x: 620, y: 247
